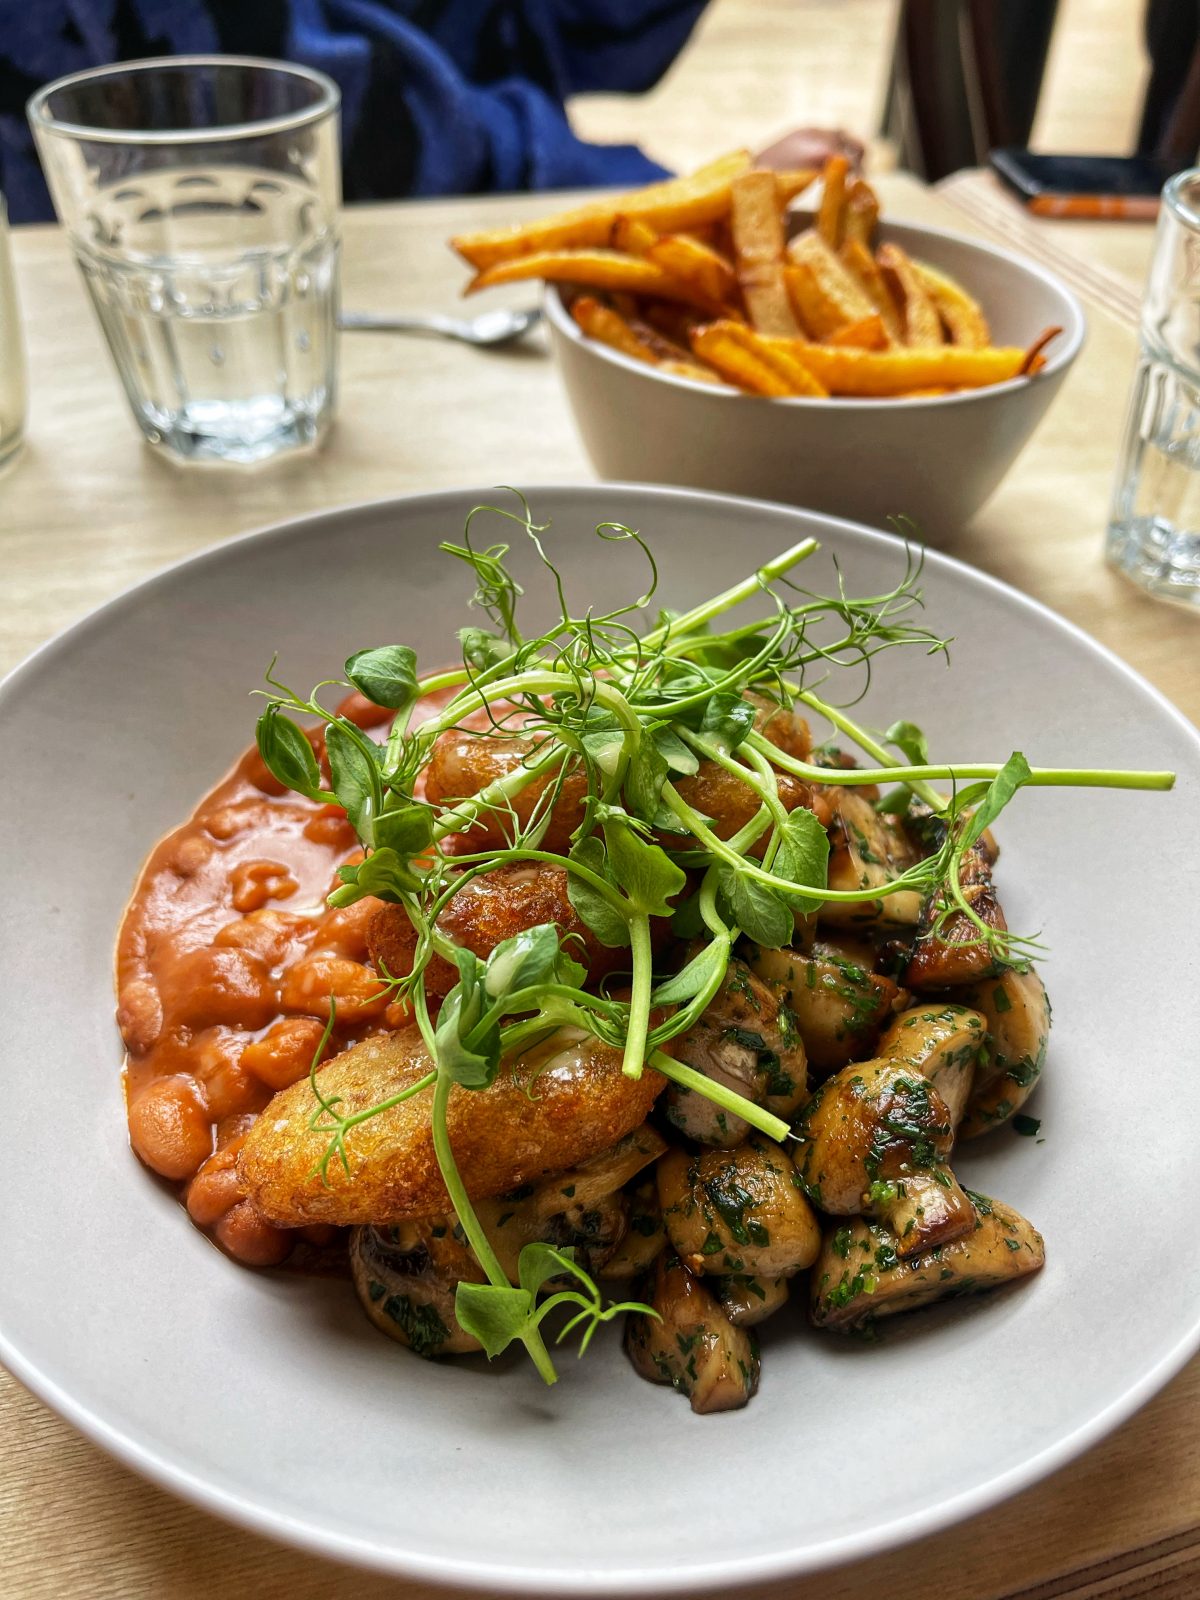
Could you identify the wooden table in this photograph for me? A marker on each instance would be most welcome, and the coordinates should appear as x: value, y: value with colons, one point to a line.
x: 89, y: 509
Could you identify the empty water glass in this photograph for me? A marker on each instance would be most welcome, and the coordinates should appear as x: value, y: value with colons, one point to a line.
x: 12, y: 353
x: 1154, y: 529
x: 201, y: 199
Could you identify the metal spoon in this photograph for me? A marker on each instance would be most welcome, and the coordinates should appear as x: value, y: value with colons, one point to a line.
x: 491, y: 328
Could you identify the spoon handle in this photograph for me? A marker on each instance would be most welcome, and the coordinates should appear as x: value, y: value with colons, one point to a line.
x: 351, y: 321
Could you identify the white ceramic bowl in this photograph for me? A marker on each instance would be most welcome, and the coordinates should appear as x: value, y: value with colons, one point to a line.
x: 935, y: 460
x: 269, y: 1397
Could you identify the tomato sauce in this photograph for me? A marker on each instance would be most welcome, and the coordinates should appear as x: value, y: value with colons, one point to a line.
x: 226, y: 961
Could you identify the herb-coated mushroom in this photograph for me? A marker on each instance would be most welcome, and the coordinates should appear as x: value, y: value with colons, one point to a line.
x: 838, y: 1002
x: 406, y: 1277
x: 874, y: 1142
x: 861, y: 1274
x: 941, y: 1042
x: 1016, y: 1011
x: 868, y: 850
x: 747, y: 1040
x: 692, y: 1345
x: 738, y: 1211
x: 747, y: 1301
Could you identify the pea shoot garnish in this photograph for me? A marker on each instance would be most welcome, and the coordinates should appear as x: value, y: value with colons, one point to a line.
x: 618, y: 719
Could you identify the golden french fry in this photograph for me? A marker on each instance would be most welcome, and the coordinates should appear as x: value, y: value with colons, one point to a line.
x: 864, y: 269
x: 663, y: 348
x: 761, y: 365
x: 696, y: 372
x: 676, y: 203
x: 922, y: 325
x: 923, y: 394
x: 862, y: 212
x: 695, y: 263
x: 881, y: 373
x: 961, y: 315
x: 596, y: 269
x: 757, y: 226
x: 602, y: 323
x: 868, y: 333
x: 831, y: 216
x: 790, y: 183
x: 673, y: 320
x: 1034, y: 359
x: 632, y: 235
x: 825, y: 295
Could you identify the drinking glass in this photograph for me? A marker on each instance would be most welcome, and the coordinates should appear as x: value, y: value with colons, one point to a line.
x: 1154, y: 527
x: 200, y: 195
x: 12, y: 356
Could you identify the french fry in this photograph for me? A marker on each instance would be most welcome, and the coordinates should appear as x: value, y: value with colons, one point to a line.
x: 1034, y: 359
x: 695, y: 263
x: 601, y: 322
x: 832, y: 213
x: 696, y: 372
x: 752, y: 362
x: 673, y: 320
x: 868, y: 333
x: 666, y: 349
x: 757, y: 227
x: 596, y: 269
x: 882, y: 373
x: 922, y: 325
x: 961, y: 315
x: 823, y: 293
x: 675, y: 204
x: 861, y: 214
x: 631, y: 235
x: 793, y: 182
x: 863, y: 267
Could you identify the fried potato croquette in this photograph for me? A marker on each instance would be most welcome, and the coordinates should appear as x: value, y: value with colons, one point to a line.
x: 554, y: 1106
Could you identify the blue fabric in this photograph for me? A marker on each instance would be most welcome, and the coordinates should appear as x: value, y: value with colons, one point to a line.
x: 438, y: 96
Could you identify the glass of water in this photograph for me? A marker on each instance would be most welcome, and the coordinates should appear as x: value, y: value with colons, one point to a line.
x: 12, y: 353
x: 200, y: 195
x: 1154, y: 528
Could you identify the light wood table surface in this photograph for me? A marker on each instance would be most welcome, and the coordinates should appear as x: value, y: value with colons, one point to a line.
x: 89, y: 509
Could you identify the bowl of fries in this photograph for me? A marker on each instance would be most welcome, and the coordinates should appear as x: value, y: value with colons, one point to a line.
x: 710, y: 333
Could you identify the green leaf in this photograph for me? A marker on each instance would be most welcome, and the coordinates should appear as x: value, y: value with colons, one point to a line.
x: 758, y: 911
x: 493, y: 1314
x: 355, y: 778
x: 384, y: 873
x: 408, y: 830
x: 1000, y: 791
x: 482, y: 650
x: 726, y: 721
x: 287, y: 753
x: 910, y: 741
x: 803, y: 855
x: 644, y: 781
x: 696, y: 976
x: 648, y: 876
x: 529, y: 958
x: 539, y: 1262
x: 675, y: 753
x: 687, y: 919
x: 387, y: 675
x: 604, y: 920
x: 604, y: 746
x: 469, y: 1053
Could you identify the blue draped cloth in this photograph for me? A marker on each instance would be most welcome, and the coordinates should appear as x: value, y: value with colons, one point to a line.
x: 438, y: 96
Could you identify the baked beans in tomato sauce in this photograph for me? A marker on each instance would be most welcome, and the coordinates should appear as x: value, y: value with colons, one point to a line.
x: 226, y: 961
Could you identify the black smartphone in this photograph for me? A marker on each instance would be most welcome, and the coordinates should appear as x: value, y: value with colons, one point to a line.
x: 1085, y: 186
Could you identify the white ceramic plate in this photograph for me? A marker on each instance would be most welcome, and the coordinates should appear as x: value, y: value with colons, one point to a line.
x: 270, y: 1399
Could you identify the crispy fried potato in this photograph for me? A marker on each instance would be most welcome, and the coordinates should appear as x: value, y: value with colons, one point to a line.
x: 631, y: 235
x: 694, y: 263
x: 751, y: 362
x: 863, y: 267
x: 861, y: 214
x: 789, y: 184
x: 557, y: 1105
x: 832, y: 214
x: 597, y: 269
x: 676, y: 203
x: 823, y: 292
x: 609, y: 327
x: 696, y: 371
x: 961, y: 315
x: 879, y: 373
x: 757, y: 226
x: 868, y: 333
x: 1034, y: 359
x: 922, y: 325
